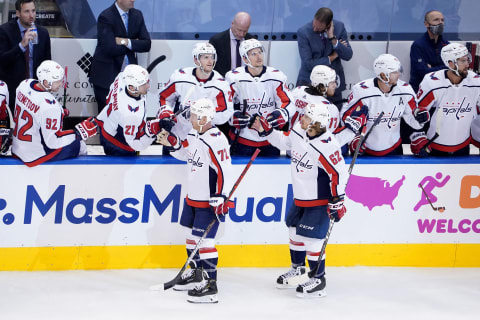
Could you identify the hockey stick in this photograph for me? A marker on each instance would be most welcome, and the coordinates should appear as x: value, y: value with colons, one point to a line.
x: 439, y: 209
x: 65, y: 89
x: 155, y: 62
x: 350, y: 169
x: 362, y: 141
x: 171, y: 283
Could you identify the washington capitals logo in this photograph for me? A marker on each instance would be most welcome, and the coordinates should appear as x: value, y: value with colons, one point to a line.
x: 234, y: 71
x: 181, y: 71
x: 50, y: 101
x: 215, y: 134
x: 327, y: 140
x: 432, y: 76
x: 132, y: 109
x: 363, y: 86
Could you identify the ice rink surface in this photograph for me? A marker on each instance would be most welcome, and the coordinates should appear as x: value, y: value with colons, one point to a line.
x: 244, y: 293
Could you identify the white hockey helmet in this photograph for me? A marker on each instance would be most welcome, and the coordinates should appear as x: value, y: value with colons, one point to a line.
x: 135, y: 76
x: 453, y: 52
x: 322, y: 74
x: 248, y: 45
x: 203, y: 108
x: 50, y: 71
x: 318, y: 112
x: 386, y: 64
x: 204, y: 48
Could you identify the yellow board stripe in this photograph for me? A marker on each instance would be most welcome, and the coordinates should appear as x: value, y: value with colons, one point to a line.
x: 174, y: 256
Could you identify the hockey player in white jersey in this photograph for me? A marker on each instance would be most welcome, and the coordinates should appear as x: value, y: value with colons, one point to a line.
x: 452, y: 98
x: 5, y: 120
x: 38, y: 135
x: 206, y: 151
x: 323, y: 85
x: 192, y: 83
x: 266, y: 94
x: 387, y: 93
x: 124, y: 128
x: 319, y: 177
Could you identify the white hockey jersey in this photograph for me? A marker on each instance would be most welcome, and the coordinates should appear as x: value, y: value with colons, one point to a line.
x: 301, y: 99
x: 264, y: 94
x: 398, y: 103
x: 452, y: 108
x: 4, y: 97
x: 38, y: 135
x: 122, y: 121
x: 318, y: 169
x: 476, y: 129
x: 209, y: 166
x: 184, y: 88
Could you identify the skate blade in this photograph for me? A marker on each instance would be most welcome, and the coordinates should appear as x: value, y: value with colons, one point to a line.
x: 316, y: 294
x: 205, y: 299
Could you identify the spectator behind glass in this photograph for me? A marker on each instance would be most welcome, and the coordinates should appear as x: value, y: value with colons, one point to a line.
x: 425, y: 51
x: 323, y: 41
x: 116, y: 46
x: 19, y: 56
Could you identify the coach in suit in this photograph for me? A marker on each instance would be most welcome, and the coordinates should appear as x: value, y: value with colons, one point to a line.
x: 226, y: 43
x: 19, y: 57
x: 116, y: 47
x: 323, y: 41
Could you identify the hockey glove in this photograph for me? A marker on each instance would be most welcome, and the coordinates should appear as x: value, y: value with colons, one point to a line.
x: 418, y: 140
x: 278, y: 118
x: 240, y: 120
x: 166, y: 114
x: 86, y: 129
x: 421, y: 115
x: 353, y: 145
x: 267, y: 128
x: 152, y: 128
x: 218, y: 204
x: 65, y: 112
x: 169, y: 140
x: 336, y: 209
x: 357, y: 118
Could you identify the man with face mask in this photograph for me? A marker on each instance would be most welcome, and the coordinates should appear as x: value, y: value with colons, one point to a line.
x: 425, y: 52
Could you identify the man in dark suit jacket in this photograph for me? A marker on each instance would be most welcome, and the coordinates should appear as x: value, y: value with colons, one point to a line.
x: 324, y: 41
x: 226, y: 43
x: 16, y: 48
x: 116, y: 47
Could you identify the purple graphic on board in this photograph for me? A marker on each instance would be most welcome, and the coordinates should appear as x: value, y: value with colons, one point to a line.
x: 429, y: 183
x: 372, y: 192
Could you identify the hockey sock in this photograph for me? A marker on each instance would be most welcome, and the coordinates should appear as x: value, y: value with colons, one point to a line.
x: 209, y: 257
x: 191, y: 243
x: 297, y: 249
x: 321, y: 269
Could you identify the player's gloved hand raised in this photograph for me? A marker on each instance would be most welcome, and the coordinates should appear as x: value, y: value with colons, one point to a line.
x: 65, y: 112
x: 336, y: 208
x: 218, y: 204
x: 421, y: 115
x: 86, y: 129
x: 418, y: 140
x: 278, y: 118
x: 262, y: 126
x: 168, y: 140
x: 240, y: 120
x: 357, y: 118
x: 166, y: 114
x: 354, y: 143
x: 152, y: 127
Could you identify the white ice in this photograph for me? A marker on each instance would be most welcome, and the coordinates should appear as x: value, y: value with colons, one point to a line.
x: 244, y: 293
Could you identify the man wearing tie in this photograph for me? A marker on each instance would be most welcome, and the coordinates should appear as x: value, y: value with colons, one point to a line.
x: 227, y: 43
x: 23, y: 47
x: 121, y: 32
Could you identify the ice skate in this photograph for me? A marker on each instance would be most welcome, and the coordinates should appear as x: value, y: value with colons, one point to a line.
x: 204, y: 292
x: 312, y: 288
x: 292, y: 278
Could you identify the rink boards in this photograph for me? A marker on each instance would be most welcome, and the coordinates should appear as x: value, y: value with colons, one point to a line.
x: 97, y: 212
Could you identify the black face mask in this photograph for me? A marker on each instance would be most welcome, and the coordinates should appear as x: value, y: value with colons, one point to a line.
x: 436, y: 30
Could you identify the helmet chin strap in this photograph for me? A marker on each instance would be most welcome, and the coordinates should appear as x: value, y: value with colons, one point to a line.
x: 456, y: 69
x: 385, y: 82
